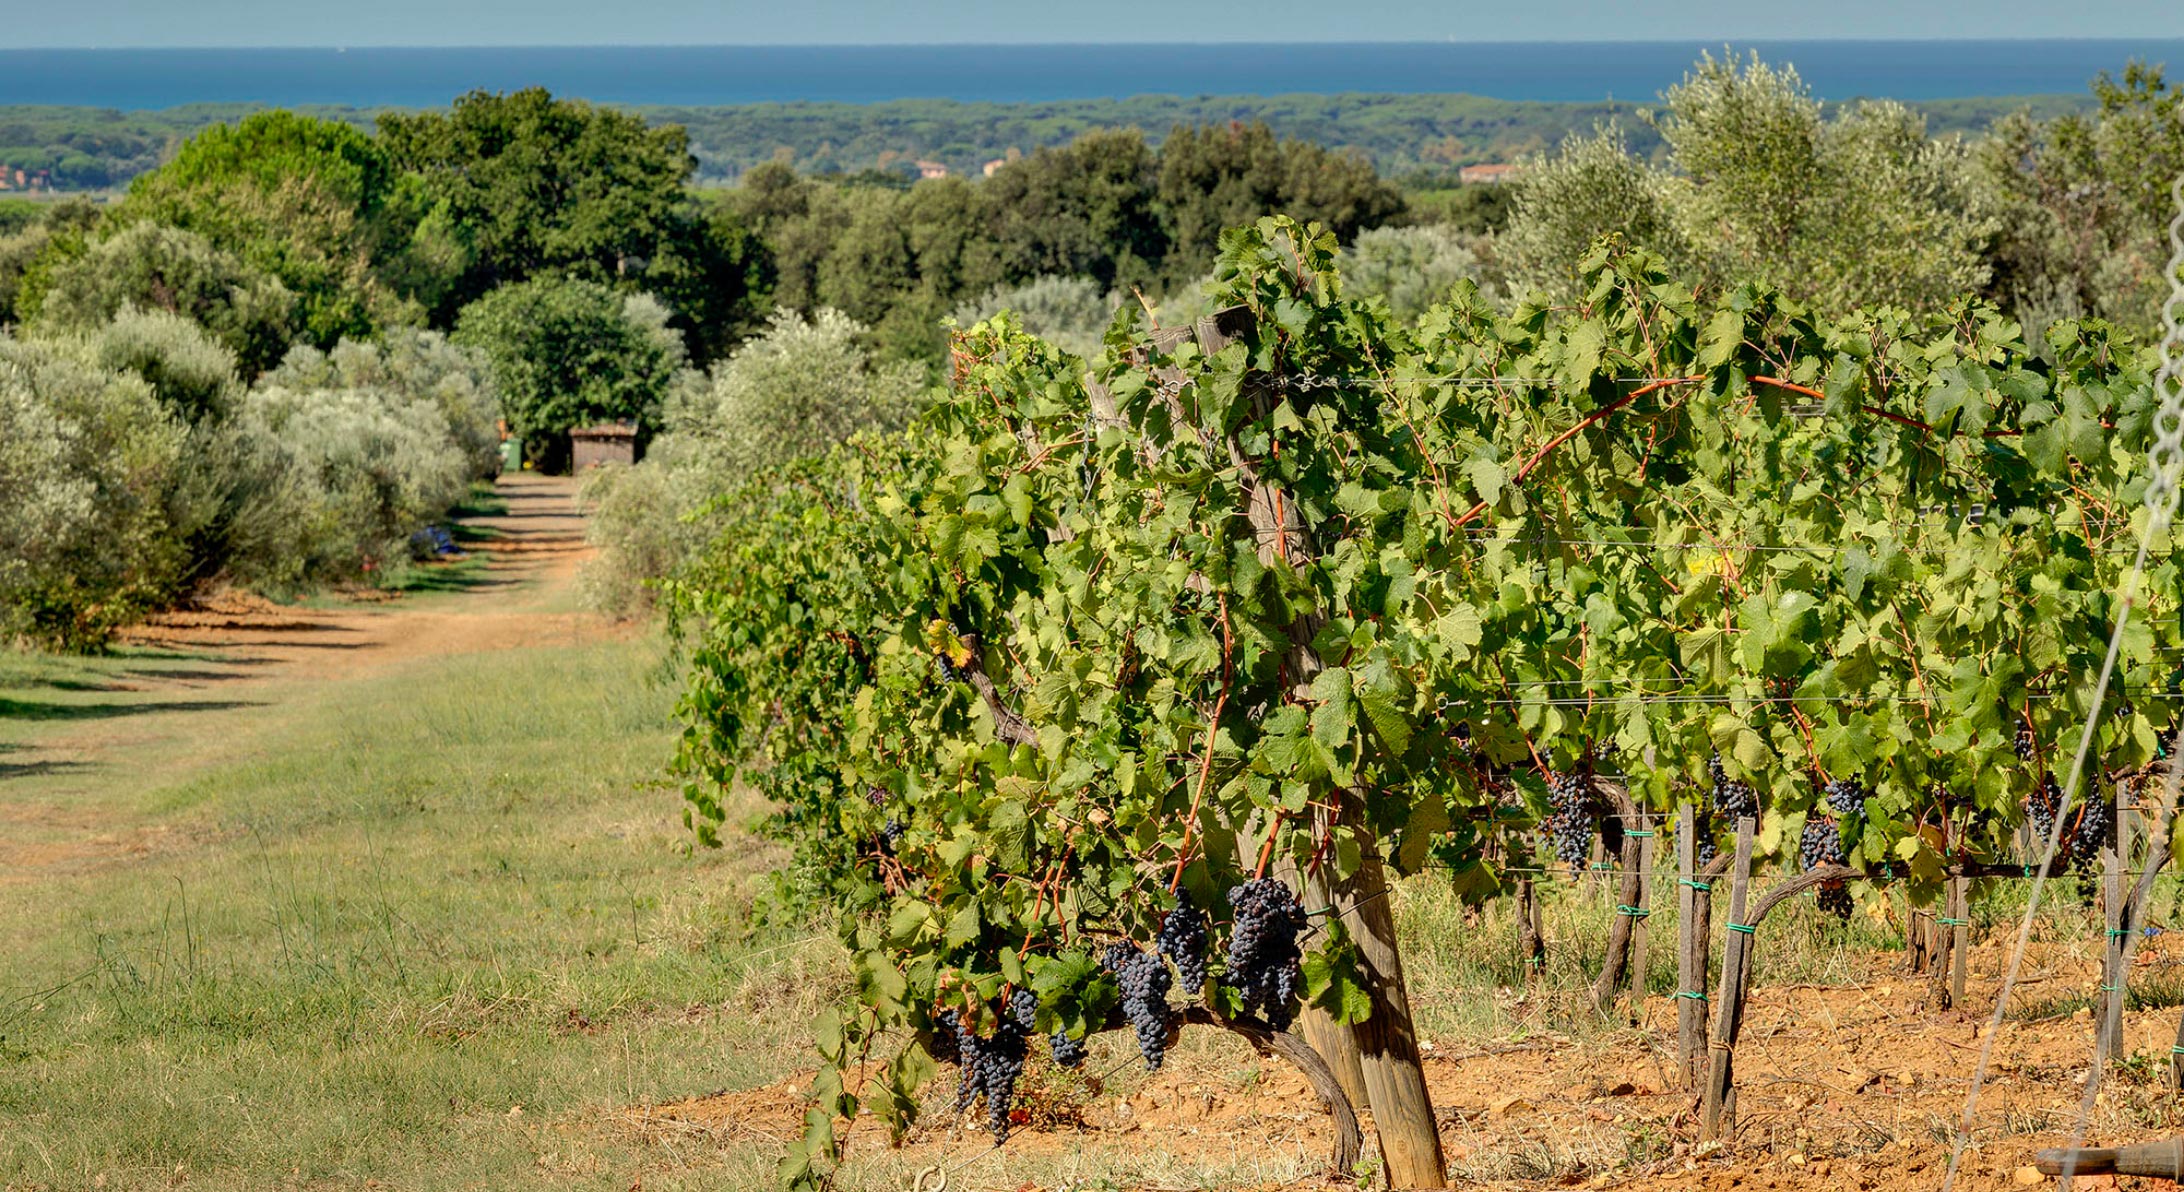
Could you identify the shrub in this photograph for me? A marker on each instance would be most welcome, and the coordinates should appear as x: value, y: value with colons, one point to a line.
x: 193, y: 374
x: 567, y: 353
x: 1413, y: 268
x: 795, y: 390
x: 88, y: 460
x: 159, y: 268
x: 1071, y: 313
x: 420, y: 366
x: 342, y: 478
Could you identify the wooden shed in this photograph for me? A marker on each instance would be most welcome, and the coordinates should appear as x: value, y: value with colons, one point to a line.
x: 607, y: 443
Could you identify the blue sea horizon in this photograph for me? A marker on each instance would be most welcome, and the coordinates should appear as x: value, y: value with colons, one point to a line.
x: 694, y: 76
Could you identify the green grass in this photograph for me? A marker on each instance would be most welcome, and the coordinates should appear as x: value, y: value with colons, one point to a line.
x: 427, y: 928
x: 437, y: 927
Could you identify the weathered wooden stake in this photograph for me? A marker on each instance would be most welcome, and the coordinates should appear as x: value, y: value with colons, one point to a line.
x: 1960, y: 936
x: 2115, y: 859
x: 1718, y: 1105
x: 1529, y: 943
x: 1938, y: 989
x: 1691, y: 952
x: 1643, y: 905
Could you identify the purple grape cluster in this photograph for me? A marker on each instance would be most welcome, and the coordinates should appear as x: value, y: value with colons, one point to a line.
x: 992, y: 1065
x: 891, y: 836
x: 1144, y: 981
x: 2041, y: 807
x: 1570, y: 821
x: 1183, y: 941
x: 1822, y: 844
x: 1733, y: 799
x: 1068, y: 1052
x: 2096, y: 827
x: 2027, y: 747
x: 1264, y: 962
x: 1846, y: 796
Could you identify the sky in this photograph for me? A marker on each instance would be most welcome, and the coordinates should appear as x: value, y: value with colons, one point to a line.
x: 161, y: 23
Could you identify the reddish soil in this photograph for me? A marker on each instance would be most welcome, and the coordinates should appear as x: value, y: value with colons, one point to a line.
x: 1857, y: 1087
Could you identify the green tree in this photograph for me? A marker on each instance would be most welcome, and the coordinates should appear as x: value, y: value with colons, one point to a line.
x: 87, y: 457
x: 534, y: 185
x: 316, y: 203
x: 566, y: 353
x: 1215, y: 177
x: 1087, y: 209
x: 1856, y: 210
x: 153, y: 267
x: 2082, y: 202
x: 1563, y: 203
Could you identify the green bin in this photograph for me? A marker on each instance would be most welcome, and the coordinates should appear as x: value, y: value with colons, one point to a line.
x: 511, y: 455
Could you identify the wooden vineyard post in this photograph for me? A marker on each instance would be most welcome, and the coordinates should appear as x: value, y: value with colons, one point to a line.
x: 1960, y: 936
x: 1629, y: 900
x: 1938, y: 988
x: 1918, y: 949
x: 1529, y: 943
x: 1387, y: 1044
x: 1641, y: 909
x: 2108, y: 1031
x: 1717, y: 1107
x: 1691, y: 951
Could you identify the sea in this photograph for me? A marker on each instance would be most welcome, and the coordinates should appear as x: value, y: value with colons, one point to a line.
x: 691, y: 76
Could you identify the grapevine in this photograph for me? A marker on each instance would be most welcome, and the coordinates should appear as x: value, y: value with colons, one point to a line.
x: 1485, y: 543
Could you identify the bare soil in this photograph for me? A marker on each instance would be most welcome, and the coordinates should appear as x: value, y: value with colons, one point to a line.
x: 1858, y: 1087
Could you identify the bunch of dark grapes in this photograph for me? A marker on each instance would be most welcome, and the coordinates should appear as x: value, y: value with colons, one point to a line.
x: 2040, y: 806
x: 1068, y: 1052
x: 1733, y: 799
x: 992, y: 1065
x: 971, y: 1059
x: 1183, y: 941
x: 2096, y: 824
x: 1264, y: 963
x: 2027, y: 748
x: 1846, y: 796
x: 947, y: 669
x: 891, y: 836
x: 1569, y: 822
x: 1822, y: 844
x: 1144, y: 982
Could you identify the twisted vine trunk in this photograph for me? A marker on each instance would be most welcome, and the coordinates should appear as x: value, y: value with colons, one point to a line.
x: 1385, y: 1044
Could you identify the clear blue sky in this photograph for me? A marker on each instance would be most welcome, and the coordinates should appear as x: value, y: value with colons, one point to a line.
x: 114, y: 23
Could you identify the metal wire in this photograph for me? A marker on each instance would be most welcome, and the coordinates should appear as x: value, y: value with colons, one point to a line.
x: 2165, y: 466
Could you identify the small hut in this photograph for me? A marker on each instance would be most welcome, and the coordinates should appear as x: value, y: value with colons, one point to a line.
x: 607, y: 443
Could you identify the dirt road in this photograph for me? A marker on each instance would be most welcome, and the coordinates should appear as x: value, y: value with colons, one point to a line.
x: 188, y: 682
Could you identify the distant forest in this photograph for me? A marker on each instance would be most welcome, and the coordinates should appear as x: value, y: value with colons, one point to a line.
x: 87, y: 149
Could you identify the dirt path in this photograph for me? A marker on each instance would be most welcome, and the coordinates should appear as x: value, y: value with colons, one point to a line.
x: 207, y: 677
x: 525, y: 599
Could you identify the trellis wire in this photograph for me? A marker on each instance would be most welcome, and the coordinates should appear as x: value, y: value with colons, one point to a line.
x: 2165, y: 464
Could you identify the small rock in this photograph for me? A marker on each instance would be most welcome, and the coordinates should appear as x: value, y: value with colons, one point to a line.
x: 2027, y: 1176
x: 1509, y: 1105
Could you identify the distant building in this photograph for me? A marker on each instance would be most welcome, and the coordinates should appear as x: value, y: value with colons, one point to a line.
x: 932, y: 169
x: 1488, y: 175
x: 993, y: 165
